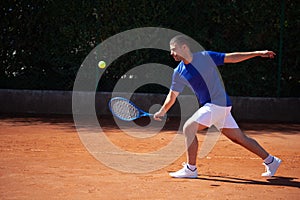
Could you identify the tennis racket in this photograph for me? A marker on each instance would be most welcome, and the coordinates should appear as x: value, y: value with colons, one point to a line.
x: 125, y: 110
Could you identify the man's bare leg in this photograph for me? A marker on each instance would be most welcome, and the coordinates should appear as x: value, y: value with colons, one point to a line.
x: 189, y: 169
x: 190, y: 129
x: 237, y: 136
x: 271, y: 162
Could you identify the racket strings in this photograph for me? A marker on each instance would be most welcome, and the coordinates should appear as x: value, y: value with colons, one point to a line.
x: 124, y: 109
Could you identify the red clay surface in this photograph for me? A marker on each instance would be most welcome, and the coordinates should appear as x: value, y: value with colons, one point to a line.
x: 43, y: 158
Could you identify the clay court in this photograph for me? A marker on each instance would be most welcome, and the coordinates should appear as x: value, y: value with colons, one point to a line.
x: 44, y: 158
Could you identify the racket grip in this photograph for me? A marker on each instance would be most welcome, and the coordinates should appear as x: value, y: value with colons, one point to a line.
x: 162, y: 117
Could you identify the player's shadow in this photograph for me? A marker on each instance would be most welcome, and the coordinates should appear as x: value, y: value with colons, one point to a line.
x: 272, y: 181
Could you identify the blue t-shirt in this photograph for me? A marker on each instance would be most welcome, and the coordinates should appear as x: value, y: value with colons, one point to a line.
x: 203, y: 77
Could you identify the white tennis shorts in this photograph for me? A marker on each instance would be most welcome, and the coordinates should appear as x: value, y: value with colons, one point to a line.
x: 211, y: 114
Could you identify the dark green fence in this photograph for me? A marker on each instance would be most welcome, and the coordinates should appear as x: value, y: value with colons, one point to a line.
x: 43, y: 42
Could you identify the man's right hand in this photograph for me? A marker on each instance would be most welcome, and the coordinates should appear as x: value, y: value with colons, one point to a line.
x: 159, y: 115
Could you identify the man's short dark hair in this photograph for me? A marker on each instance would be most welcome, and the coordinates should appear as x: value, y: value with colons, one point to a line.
x: 181, y: 40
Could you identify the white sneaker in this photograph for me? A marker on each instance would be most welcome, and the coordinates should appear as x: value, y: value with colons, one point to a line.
x: 185, y: 172
x: 271, y: 167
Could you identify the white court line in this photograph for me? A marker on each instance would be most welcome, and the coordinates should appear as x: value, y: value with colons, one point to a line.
x: 233, y: 157
x: 250, y: 158
x: 207, y: 157
x: 151, y: 154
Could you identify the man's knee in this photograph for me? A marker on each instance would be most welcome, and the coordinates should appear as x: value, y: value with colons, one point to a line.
x: 190, y: 128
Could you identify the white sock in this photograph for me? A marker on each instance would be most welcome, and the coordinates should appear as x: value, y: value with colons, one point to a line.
x: 269, y: 159
x: 191, y: 167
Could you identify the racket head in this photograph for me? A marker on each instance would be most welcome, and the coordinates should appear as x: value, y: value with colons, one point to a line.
x: 125, y: 110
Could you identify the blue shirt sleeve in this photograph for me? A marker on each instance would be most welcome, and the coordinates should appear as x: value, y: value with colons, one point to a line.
x: 177, y: 82
x: 217, y: 57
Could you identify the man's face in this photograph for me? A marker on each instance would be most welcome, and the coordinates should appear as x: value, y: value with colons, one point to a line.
x: 176, y: 52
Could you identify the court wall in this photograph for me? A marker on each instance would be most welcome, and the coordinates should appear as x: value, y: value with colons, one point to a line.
x: 60, y: 102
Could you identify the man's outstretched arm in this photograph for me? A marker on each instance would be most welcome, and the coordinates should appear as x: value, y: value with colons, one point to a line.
x: 169, y: 101
x: 241, y: 56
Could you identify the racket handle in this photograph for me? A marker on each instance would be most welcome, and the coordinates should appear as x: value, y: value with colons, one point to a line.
x: 162, y: 117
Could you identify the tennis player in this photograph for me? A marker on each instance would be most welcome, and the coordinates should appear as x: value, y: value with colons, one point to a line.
x: 198, y: 71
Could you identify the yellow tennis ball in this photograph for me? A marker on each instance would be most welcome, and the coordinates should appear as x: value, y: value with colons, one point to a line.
x: 101, y: 64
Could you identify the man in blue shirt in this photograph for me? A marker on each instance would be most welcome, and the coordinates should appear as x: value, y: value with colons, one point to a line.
x: 199, y: 72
